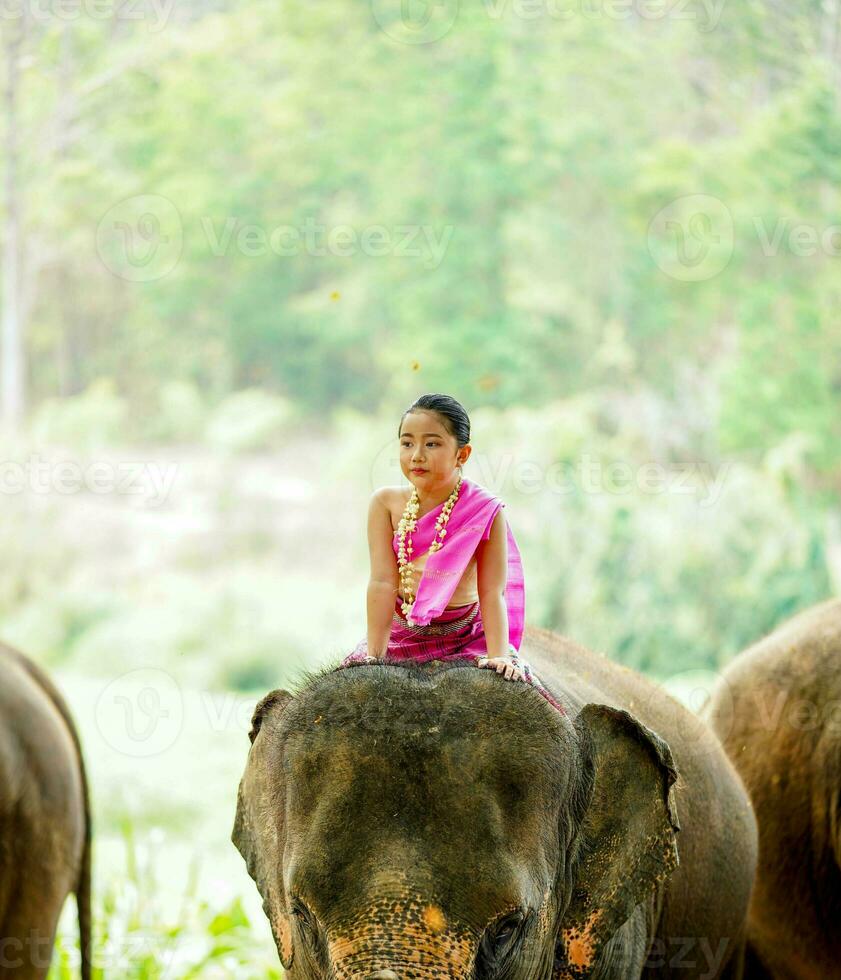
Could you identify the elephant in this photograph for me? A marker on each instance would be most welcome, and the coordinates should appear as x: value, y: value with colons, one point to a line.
x: 420, y: 821
x: 777, y: 711
x: 45, y: 824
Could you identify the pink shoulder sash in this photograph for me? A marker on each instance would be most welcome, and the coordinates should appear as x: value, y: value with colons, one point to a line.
x: 470, y: 522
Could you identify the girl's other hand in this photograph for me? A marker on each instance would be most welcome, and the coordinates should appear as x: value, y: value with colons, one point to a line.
x: 502, y: 665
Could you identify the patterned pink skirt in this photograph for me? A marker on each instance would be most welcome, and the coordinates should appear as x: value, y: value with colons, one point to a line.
x: 458, y: 633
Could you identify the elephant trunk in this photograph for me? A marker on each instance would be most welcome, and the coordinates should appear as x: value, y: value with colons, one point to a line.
x: 411, y: 940
x: 398, y: 961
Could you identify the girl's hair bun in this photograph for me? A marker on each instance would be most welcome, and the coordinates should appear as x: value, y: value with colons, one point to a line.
x: 455, y: 418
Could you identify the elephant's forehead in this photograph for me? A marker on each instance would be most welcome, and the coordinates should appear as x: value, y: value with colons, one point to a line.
x: 456, y: 736
x: 455, y: 778
x: 424, y: 782
x: 440, y: 784
x: 360, y: 817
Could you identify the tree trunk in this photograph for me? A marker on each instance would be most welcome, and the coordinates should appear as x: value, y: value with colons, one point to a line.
x: 12, y: 400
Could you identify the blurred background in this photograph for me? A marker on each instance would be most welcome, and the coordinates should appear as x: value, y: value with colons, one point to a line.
x: 240, y: 238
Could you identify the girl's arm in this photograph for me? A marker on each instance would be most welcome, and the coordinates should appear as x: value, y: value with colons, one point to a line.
x: 491, y: 578
x: 383, y: 582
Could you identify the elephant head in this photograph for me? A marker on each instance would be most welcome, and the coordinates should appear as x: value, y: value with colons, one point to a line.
x: 401, y: 821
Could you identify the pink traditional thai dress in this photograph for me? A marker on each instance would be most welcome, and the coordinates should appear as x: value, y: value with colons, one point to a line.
x: 434, y: 632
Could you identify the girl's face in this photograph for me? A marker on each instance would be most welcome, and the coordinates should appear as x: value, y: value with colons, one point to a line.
x: 429, y: 455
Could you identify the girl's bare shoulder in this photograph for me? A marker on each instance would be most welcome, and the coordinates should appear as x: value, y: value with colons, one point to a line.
x: 395, y: 498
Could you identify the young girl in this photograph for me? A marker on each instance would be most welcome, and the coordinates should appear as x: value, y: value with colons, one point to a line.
x: 446, y: 576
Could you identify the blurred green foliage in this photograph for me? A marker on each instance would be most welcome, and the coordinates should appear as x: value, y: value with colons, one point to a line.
x: 528, y: 168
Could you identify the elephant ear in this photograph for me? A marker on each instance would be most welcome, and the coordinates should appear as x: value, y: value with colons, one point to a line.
x: 629, y: 833
x: 259, y: 825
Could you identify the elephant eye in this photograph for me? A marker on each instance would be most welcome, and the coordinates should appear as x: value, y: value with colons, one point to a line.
x: 499, y: 939
x: 505, y: 931
x: 311, y: 932
x: 305, y: 919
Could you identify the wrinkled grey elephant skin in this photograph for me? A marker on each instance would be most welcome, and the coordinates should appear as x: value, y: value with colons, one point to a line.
x: 437, y: 822
x: 777, y: 711
x: 45, y: 828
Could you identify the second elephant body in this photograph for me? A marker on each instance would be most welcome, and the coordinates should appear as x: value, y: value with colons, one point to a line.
x: 777, y: 711
x: 45, y: 833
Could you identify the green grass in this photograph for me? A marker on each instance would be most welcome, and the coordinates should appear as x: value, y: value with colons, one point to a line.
x: 137, y: 939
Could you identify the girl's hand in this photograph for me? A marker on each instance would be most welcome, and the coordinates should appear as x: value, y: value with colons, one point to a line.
x: 348, y: 662
x: 502, y: 665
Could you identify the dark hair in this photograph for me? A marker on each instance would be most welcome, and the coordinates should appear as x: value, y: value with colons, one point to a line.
x: 453, y: 415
